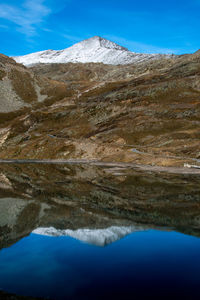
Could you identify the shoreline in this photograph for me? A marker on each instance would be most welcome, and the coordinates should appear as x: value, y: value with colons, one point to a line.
x: 123, y: 165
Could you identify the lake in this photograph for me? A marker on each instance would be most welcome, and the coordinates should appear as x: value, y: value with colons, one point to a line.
x: 88, y: 232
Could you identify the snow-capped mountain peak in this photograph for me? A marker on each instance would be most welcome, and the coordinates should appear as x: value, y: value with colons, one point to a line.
x: 95, y: 49
x: 98, y: 41
x: 97, y: 237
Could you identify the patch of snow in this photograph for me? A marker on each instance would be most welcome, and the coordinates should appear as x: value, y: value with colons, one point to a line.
x: 97, y: 237
x: 96, y: 50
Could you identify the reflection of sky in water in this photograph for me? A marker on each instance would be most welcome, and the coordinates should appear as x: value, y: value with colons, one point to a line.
x: 167, y: 263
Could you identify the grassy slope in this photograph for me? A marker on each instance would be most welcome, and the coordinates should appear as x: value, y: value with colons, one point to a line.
x: 101, y: 112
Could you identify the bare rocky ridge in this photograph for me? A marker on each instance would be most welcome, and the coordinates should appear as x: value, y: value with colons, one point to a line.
x: 17, y: 86
x: 146, y: 113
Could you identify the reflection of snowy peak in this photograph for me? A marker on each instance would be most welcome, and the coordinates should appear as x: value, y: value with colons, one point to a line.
x: 98, y: 237
x: 95, y: 50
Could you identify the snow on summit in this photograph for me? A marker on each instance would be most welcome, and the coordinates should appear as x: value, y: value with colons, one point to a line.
x: 97, y: 237
x: 95, y: 49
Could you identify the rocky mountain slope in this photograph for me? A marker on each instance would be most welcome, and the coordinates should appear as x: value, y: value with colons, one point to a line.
x: 18, y: 86
x: 96, y: 49
x: 147, y: 112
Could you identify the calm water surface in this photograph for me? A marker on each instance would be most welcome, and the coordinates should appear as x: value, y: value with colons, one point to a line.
x: 87, y: 233
x: 143, y: 263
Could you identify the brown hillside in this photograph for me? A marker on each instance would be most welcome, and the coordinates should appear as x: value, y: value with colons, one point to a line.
x: 147, y: 113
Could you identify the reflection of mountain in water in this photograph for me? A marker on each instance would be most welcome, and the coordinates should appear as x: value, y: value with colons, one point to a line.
x: 97, y: 237
x: 81, y: 196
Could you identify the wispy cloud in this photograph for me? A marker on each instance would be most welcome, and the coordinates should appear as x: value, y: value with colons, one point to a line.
x: 140, y: 47
x: 26, y: 17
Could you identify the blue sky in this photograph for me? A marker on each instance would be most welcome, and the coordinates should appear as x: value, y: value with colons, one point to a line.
x: 142, y: 26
